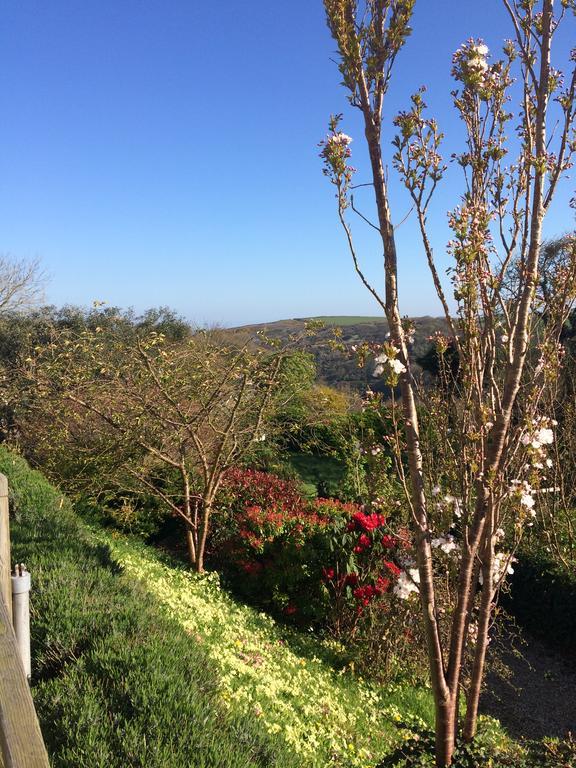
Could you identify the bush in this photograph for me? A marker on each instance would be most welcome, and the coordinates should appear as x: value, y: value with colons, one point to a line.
x: 543, y: 599
x: 489, y: 748
x: 116, y: 682
x: 318, y: 563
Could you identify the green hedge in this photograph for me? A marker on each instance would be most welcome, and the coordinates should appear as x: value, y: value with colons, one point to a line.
x: 115, y: 682
x: 543, y: 599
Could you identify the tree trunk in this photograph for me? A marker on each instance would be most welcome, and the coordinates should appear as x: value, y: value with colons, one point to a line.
x: 191, y: 544
x: 203, y: 536
x: 485, y: 613
x: 445, y: 731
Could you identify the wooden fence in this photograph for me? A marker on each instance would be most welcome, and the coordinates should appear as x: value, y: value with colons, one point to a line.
x: 21, y: 743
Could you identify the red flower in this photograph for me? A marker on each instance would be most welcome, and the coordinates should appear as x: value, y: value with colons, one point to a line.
x: 382, y: 585
x: 388, y: 542
x: 351, y: 579
x: 393, y: 568
x: 290, y: 609
x: 367, y: 522
x: 328, y: 573
x: 365, y: 541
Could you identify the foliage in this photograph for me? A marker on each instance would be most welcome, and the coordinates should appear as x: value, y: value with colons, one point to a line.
x: 145, y: 413
x: 319, y: 563
x: 116, y: 681
x: 543, y: 599
x: 489, y: 748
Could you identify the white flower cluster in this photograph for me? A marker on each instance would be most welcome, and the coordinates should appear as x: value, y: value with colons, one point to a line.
x: 501, y: 565
x: 471, y: 66
x: 389, y: 362
x: 339, y: 139
x: 448, y: 501
x: 540, y: 435
x: 525, y: 492
x: 407, y: 583
x: 446, y: 543
x: 477, y: 58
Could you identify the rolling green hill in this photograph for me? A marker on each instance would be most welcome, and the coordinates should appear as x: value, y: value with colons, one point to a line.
x: 336, y: 368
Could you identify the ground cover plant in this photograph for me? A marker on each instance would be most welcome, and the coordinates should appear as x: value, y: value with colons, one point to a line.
x: 115, y: 681
x: 286, y: 680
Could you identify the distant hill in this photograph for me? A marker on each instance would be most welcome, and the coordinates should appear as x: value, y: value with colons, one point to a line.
x: 334, y: 367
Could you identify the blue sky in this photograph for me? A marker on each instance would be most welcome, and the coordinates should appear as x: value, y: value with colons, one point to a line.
x: 165, y: 153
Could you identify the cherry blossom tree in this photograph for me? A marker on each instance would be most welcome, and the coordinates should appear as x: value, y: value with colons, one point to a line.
x: 493, y: 434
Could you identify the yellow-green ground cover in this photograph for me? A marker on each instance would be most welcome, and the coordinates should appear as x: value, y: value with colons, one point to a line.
x: 328, y: 716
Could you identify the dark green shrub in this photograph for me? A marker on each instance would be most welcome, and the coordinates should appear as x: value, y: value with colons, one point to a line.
x: 116, y: 682
x: 543, y: 599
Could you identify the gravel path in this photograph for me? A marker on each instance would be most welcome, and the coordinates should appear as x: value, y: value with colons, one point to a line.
x: 539, y: 698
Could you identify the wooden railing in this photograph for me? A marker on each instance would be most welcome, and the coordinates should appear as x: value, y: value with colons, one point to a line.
x: 21, y: 743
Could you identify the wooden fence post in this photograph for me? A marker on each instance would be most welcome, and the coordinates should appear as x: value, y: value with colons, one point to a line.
x: 5, y: 564
x: 21, y: 743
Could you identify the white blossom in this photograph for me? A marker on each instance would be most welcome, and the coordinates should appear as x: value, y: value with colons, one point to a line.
x: 339, y: 138
x: 385, y: 360
x: 545, y: 436
x: 446, y: 543
x: 407, y: 583
x: 527, y: 500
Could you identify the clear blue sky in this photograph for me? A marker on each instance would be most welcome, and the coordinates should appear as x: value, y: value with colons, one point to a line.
x: 165, y: 153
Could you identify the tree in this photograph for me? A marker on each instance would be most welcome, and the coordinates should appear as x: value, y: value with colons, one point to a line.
x: 495, y: 449
x: 165, y: 417
x: 20, y: 284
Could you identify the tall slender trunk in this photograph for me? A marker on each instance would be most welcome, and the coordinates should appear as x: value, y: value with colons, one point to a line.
x: 445, y: 732
x: 191, y: 544
x: 206, y: 513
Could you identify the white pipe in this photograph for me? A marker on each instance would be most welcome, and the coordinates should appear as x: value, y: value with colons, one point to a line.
x: 21, y: 615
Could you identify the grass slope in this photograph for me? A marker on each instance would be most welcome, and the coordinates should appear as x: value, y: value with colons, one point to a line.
x: 279, y: 677
x: 117, y: 682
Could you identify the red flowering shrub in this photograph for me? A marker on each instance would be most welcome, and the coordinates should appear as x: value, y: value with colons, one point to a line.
x: 322, y: 563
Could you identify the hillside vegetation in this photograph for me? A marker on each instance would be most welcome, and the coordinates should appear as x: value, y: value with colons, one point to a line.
x: 341, y: 370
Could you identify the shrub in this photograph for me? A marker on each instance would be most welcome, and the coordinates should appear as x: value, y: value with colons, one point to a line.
x: 318, y: 563
x: 543, y: 599
x: 116, y: 682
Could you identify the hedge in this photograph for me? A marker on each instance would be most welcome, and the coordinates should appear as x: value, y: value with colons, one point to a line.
x: 543, y: 600
x: 115, y: 681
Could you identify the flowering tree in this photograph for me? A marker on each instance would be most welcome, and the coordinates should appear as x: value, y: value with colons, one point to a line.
x: 494, y: 436
x: 154, y: 416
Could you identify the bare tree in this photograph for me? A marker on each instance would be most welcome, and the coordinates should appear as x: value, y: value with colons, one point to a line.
x: 496, y: 449
x: 20, y: 284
